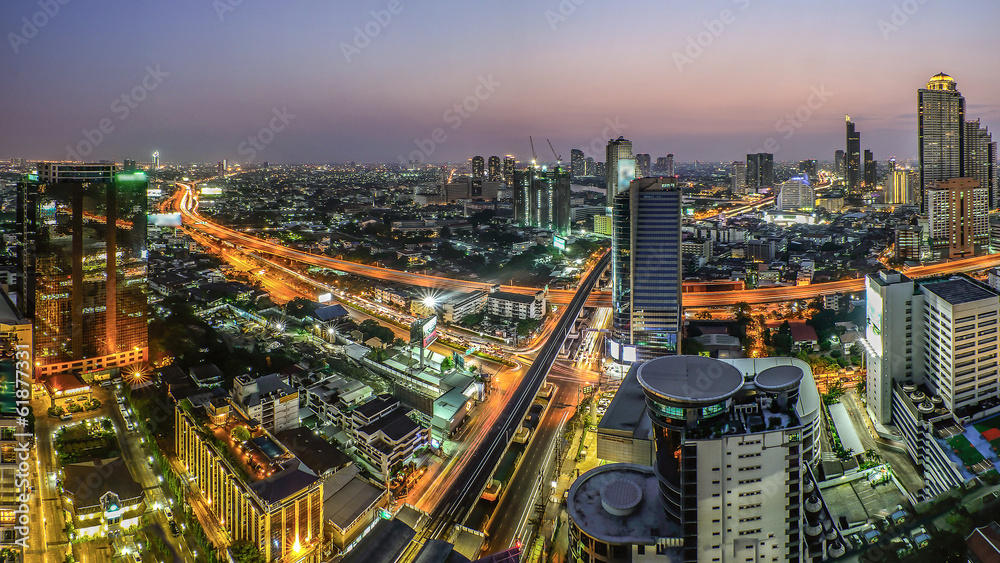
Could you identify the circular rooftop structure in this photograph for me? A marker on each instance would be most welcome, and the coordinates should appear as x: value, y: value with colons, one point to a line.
x: 692, y: 380
x: 620, y: 497
x: 779, y: 378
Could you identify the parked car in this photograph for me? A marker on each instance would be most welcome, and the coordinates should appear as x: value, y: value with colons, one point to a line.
x: 66, y: 416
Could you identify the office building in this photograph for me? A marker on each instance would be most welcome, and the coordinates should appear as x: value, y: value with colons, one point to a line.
x: 932, y: 348
x: 257, y: 489
x: 82, y: 266
x: 646, y: 271
x: 796, y: 195
x: 980, y: 159
x: 619, y: 167
x: 669, y: 166
x: 871, y: 171
x: 494, y: 172
x: 642, y: 165
x: 957, y: 213
x: 15, y: 345
x: 731, y: 444
x: 853, y: 160
x: 156, y: 160
x: 478, y: 167
x: 738, y: 178
x: 386, y: 438
x: 577, y: 163
x: 760, y: 171
x: 839, y: 163
x: 941, y: 132
x: 509, y: 165
x: 542, y: 198
x: 809, y: 168
x: 269, y: 400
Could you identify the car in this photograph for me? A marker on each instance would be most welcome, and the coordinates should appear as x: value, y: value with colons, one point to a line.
x: 106, y: 383
x: 70, y: 400
x: 66, y: 416
x: 168, y: 513
x: 120, y: 400
x: 174, y: 530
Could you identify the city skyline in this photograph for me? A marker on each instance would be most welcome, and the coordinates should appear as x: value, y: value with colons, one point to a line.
x: 369, y: 83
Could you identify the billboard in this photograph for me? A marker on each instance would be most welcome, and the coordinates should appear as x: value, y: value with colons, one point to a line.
x: 211, y: 191
x: 626, y: 173
x: 324, y: 297
x: 873, y: 331
x: 559, y: 242
x: 423, y: 332
x: 164, y: 219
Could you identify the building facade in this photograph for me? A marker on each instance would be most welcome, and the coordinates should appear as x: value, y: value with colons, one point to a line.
x: 760, y: 170
x: 941, y: 132
x: 853, y: 160
x: 542, y: 198
x: 981, y: 159
x: 796, y: 195
x: 738, y: 178
x: 646, y: 271
x: 619, y: 166
x: 82, y: 263
x: 958, y: 216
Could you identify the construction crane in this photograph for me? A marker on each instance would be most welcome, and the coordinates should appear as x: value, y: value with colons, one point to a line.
x: 558, y: 156
x: 534, y: 158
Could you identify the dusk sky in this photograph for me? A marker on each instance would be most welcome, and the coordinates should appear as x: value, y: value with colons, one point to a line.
x: 222, y: 73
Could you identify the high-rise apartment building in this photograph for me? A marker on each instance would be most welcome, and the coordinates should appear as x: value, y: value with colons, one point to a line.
x: 619, y: 167
x: 797, y: 195
x: 898, y: 190
x: 871, y: 170
x: 82, y: 265
x: 733, y: 442
x: 957, y: 214
x: 258, y: 490
x: 853, y: 160
x: 509, y: 165
x: 646, y: 271
x: 809, y: 167
x: 760, y: 170
x: 642, y: 165
x: 839, y: 163
x: 478, y: 167
x: 542, y: 198
x: 941, y: 132
x: 980, y: 159
x: 738, y: 179
x: 669, y: 173
x: 577, y: 163
x: 494, y: 173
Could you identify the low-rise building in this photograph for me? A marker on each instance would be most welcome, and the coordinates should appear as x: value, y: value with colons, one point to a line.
x: 516, y: 305
x: 267, y: 399
x: 103, y: 497
x: 385, y: 437
x: 461, y: 306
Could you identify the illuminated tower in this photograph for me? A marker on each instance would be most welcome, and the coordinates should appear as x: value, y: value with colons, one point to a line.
x: 871, y: 171
x: 156, y: 160
x: 478, y: 167
x: 493, y: 169
x: 853, y: 156
x: 940, y: 131
x: 619, y: 167
x: 508, y: 169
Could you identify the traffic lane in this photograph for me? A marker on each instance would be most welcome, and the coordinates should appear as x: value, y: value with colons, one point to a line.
x: 521, y: 489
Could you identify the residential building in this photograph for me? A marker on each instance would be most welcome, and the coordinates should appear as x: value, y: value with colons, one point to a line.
x: 642, y: 165
x: 731, y: 444
x: 898, y: 190
x: 604, y: 225
x: 941, y: 132
x: 478, y: 166
x: 870, y: 171
x: 459, y: 307
x: 493, y: 170
x: 385, y: 437
x: 82, y: 267
x: 809, y: 169
x: 516, y: 305
x: 646, y: 271
x: 269, y: 400
x: 257, y: 489
x: 542, y: 198
x: 839, y: 163
x: 738, y: 178
x: 980, y: 159
x: 957, y: 212
x: 577, y: 163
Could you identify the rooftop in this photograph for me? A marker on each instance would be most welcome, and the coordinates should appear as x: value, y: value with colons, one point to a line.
x: 959, y: 290
x: 115, y: 477
x: 318, y: 454
x: 690, y: 379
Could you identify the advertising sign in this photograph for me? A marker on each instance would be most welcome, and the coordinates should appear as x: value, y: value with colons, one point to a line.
x: 626, y: 173
x: 423, y: 332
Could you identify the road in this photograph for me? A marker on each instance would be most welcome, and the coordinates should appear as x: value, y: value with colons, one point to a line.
x: 186, y: 202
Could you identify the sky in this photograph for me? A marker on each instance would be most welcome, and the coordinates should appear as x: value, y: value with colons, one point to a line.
x: 389, y: 80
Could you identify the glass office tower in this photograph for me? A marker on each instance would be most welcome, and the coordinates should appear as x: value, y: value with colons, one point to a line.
x: 83, y: 258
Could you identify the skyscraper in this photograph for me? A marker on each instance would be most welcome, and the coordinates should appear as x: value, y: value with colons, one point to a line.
x: 839, y: 163
x: 156, y: 160
x: 577, y: 163
x: 478, y: 167
x: 853, y: 160
x: 670, y: 166
x: 940, y: 131
x: 647, y: 273
x: 619, y: 167
x: 808, y: 167
x: 83, y: 266
x: 898, y: 189
x: 509, y: 165
x: 542, y: 198
x: 871, y: 170
x: 980, y: 159
x: 494, y: 173
x: 760, y: 170
x: 738, y: 180
x: 642, y: 163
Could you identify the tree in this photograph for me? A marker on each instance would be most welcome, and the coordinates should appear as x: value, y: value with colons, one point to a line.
x: 446, y: 364
x: 241, y: 434
x: 245, y: 552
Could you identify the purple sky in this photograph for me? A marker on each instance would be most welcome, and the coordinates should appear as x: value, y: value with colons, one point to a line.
x: 223, y: 78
